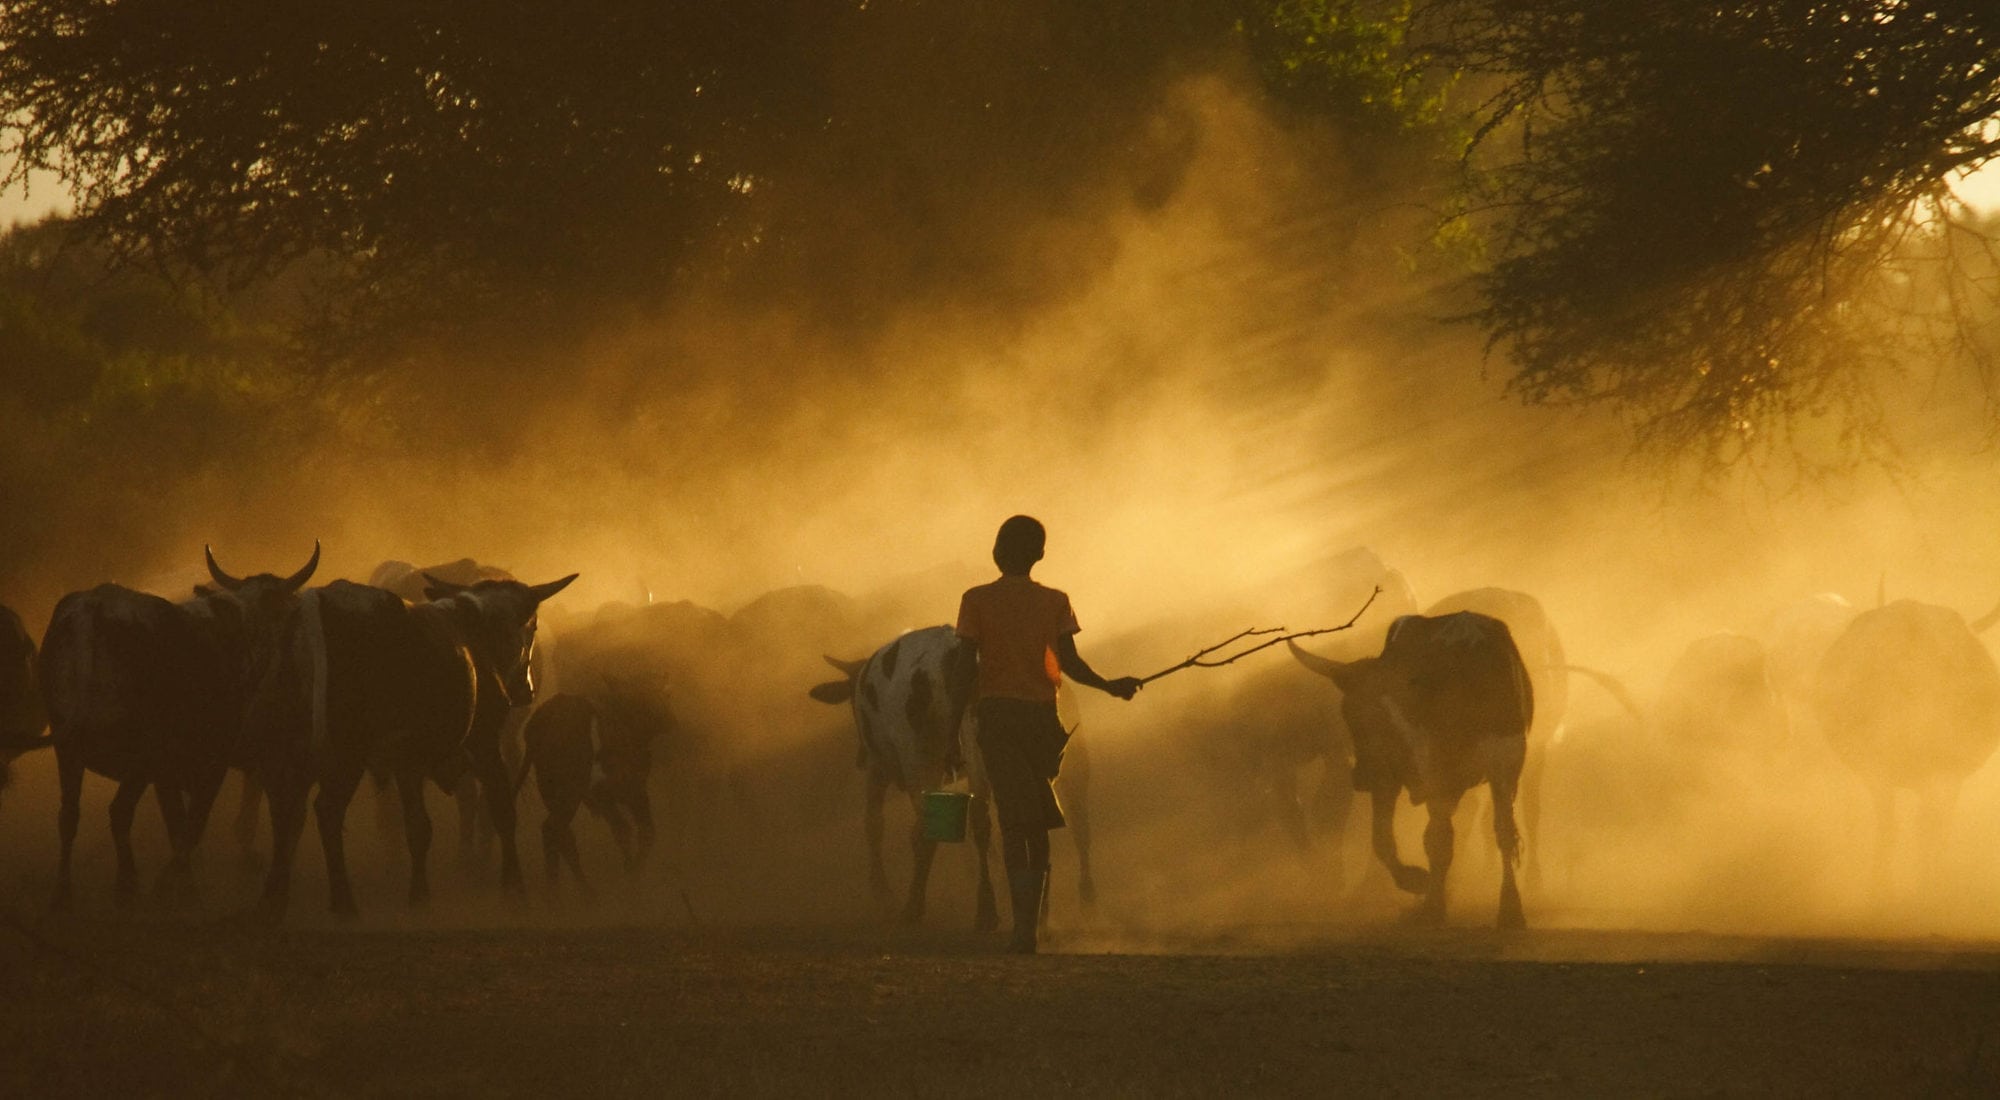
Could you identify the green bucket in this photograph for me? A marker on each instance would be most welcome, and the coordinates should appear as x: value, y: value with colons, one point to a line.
x: 944, y: 815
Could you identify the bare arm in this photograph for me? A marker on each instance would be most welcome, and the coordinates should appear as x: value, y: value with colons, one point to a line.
x: 1073, y: 666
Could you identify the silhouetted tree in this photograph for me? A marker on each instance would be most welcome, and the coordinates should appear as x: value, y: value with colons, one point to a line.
x: 531, y: 155
x: 1708, y: 213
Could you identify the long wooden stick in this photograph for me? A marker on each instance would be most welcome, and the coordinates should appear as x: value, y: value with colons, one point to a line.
x: 1196, y: 661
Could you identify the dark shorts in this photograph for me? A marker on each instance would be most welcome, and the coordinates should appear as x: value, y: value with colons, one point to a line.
x: 1022, y: 743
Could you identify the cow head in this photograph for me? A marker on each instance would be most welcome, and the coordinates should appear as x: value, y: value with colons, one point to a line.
x: 498, y: 618
x: 841, y: 690
x: 250, y: 613
x: 1380, y: 754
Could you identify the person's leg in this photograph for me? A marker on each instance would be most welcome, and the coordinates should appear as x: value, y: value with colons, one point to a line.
x: 1027, y: 868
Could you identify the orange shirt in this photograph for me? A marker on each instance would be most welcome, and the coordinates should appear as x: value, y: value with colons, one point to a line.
x: 1016, y: 622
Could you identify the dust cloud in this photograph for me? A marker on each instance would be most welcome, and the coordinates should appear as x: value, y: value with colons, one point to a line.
x: 1243, y: 387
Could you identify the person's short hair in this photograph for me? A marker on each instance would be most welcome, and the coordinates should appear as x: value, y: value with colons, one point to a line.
x: 1019, y: 544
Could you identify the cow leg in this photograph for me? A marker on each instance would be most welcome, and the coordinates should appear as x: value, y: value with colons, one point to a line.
x: 1409, y: 879
x: 179, y: 870
x: 924, y: 850
x: 1937, y: 801
x: 69, y: 770
x: 1075, y: 781
x: 465, y: 796
x: 621, y: 832
x: 1508, y: 837
x: 552, y: 849
x: 331, y: 808
x: 288, y: 820
x: 416, y: 832
x: 878, y: 878
x: 1529, y: 797
x: 1885, y: 837
x: 499, y: 790
x: 246, y: 823
x: 566, y: 836
x: 201, y: 796
x: 1506, y: 770
x: 642, y: 820
x: 1438, y: 843
x: 124, y: 805
x: 388, y: 813
x: 987, y: 919
x: 1333, y: 805
x: 1280, y: 786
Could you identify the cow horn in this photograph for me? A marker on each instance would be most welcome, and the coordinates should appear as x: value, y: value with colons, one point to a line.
x: 297, y: 580
x: 446, y: 587
x: 214, y: 570
x: 1322, y: 665
x: 1612, y: 686
x: 544, y: 591
x: 1985, y: 622
x: 849, y: 668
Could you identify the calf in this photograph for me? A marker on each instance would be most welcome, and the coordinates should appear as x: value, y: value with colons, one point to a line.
x: 596, y: 752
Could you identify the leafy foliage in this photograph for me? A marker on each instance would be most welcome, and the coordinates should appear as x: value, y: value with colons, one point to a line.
x: 1705, y: 214
x: 518, y: 159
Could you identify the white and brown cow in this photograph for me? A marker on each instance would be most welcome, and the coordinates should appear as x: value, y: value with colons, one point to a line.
x: 911, y: 713
x: 1445, y: 708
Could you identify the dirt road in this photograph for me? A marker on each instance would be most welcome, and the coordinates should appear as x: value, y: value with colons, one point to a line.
x: 155, y: 1007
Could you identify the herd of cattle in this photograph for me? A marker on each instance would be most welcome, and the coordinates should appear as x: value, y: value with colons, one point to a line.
x: 430, y: 676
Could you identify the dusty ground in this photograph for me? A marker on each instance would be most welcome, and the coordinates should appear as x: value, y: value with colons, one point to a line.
x: 108, y: 1006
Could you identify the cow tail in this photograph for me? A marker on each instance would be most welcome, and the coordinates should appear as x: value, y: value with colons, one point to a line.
x: 316, y: 671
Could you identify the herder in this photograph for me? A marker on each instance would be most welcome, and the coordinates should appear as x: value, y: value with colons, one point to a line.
x: 1022, y: 635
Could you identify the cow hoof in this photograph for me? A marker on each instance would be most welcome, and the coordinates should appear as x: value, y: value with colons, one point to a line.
x: 1424, y: 914
x: 1512, y: 919
x: 1412, y: 880
x: 1086, y: 893
x: 988, y: 919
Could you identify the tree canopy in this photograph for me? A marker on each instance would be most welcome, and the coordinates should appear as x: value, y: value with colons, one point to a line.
x: 1711, y: 214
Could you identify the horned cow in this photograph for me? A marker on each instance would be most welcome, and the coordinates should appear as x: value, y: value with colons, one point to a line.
x: 150, y: 693
x: 1445, y: 708
x: 422, y: 689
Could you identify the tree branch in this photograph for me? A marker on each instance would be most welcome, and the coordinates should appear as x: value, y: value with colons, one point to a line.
x: 1196, y: 661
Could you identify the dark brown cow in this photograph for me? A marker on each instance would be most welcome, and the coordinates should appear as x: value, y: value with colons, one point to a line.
x: 424, y: 687
x: 596, y: 752
x: 149, y: 693
x: 22, y: 718
x: 1445, y: 708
